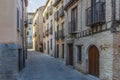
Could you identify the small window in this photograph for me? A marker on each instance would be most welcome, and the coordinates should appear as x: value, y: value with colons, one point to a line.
x: 18, y: 23
x: 79, y: 53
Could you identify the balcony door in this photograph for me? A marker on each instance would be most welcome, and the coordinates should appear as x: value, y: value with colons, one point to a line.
x: 74, y: 17
x: 98, y: 8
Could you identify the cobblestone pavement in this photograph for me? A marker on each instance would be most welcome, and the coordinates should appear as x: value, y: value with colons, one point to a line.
x: 40, y: 66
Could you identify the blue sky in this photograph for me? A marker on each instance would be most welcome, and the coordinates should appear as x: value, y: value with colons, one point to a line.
x: 34, y: 4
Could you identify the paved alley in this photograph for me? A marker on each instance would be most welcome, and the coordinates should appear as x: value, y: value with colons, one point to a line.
x: 43, y: 67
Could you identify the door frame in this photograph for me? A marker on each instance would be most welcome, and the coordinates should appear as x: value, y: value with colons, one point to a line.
x: 72, y: 63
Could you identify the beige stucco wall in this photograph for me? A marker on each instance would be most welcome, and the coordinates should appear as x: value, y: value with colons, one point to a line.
x: 7, y: 21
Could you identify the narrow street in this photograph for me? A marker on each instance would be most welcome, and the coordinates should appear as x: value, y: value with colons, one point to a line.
x: 43, y: 67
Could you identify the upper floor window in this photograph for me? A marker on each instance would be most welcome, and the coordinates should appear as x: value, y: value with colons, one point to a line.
x: 96, y: 13
x: 79, y: 53
x: 74, y: 19
x: 18, y: 23
x: 30, y: 21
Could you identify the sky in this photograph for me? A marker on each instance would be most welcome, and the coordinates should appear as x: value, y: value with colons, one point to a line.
x: 34, y: 4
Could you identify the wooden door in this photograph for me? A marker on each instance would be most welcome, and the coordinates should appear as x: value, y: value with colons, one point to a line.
x: 70, y: 54
x: 94, y: 61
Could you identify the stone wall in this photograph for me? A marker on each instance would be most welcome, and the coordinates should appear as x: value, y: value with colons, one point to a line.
x: 102, y: 40
x: 116, y: 56
x: 9, y: 61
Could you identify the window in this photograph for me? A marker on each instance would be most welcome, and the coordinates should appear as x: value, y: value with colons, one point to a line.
x: 79, y: 53
x: 44, y: 46
x: 62, y: 50
x: 51, y: 43
x: 74, y: 18
x: 63, y: 28
x: 30, y: 21
x: 31, y: 37
x: 17, y: 18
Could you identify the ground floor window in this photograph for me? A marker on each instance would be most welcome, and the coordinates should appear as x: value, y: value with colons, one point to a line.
x: 79, y: 53
x: 62, y: 50
x: 51, y: 43
x: 44, y: 46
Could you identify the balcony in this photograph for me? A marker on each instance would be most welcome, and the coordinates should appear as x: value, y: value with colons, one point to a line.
x: 56, y: 36
x: 51, y: 30
x: 56, y: 2
x: 72, y: 27
x: 95, y: 15
x: 69, y: 3
x: 56, y: 16
x: 61, y: 34
x: 61, y: 12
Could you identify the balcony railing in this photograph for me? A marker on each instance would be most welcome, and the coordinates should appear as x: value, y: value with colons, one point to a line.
x: 56, y: 2
x: 95, y: 14
x: 56, y: 16
x: 61, y: 34
x: 61, y: 12
x: 72, y: 27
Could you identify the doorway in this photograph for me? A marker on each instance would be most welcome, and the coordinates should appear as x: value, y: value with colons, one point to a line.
x: 94, y: 61
x: 70, y: 51
x: 57, y: 51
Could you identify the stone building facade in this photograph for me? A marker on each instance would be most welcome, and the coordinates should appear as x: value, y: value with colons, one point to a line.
x: 30, y: 31
x: 59, y: 22
x: 48, y: 29
x: 92, y: 37
x: 37, y: 29
x: 12, y: 47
